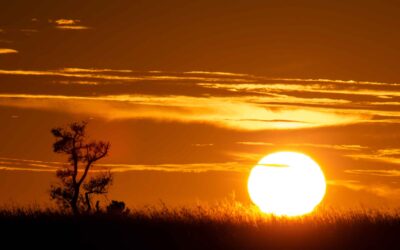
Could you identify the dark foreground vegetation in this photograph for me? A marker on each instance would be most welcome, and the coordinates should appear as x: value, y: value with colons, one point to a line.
x: 197, y: 228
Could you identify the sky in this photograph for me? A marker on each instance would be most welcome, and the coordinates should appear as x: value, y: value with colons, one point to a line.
x: 192, y: 94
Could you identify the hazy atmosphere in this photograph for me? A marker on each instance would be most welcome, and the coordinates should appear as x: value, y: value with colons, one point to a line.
x: 192, y: 94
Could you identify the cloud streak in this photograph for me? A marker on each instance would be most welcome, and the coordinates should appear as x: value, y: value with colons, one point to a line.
x: 69, y: 24
x: 8, y: 51
x: 232, y: 100
x: 380, y: 190
x: 13, y: 164
x: 342, y: 147
x: 388, y: 155
x: 96, y: 74
x: 375, y: 172
x: 236, y: 113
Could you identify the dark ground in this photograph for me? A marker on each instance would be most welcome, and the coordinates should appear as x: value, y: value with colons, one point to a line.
x: 171, y: 230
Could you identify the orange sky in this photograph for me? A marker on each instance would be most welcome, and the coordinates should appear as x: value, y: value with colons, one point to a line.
x: 191, y: 94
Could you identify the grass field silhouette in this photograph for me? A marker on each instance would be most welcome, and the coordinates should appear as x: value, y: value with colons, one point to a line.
x: 227, y: 226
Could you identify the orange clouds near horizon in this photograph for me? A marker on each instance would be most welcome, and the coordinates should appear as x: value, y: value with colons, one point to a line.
x: 236, y: 104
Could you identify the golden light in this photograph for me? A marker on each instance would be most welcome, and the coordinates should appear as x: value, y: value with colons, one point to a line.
x: 286, y: 183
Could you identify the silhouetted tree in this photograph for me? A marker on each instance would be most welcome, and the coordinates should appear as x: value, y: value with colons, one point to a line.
x: 72, y: 141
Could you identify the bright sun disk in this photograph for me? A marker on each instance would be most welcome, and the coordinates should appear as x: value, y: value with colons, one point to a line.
x: 286, y: 183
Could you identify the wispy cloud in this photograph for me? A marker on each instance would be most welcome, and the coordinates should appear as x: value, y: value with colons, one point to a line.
x: 322, y: 80
x: 255, y: 143
x: 66, y: 22
x: 213, y: 73
x: 350, y: 184
x: 389, y: 152
x: 78, y: 82
x: 28, y: 165
x: 94, y: 70
x: 67, y: 74
x: 375, y: 172
x: 8, y: 51
x: 231, y: 112
x: 69, y: 24
x: 72, y: 27
x: 345, y: 147
x: 389, y: 155
x: 233, y: 82
x: 228, y: 99
x: 13, y: 164
x: 101, y: 74
x: 314, y: 88
x: 380, y: 190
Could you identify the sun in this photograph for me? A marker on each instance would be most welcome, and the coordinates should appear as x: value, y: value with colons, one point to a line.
x: 286, y: 183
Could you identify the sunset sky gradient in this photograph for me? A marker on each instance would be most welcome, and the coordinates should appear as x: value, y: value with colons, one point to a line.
x: 192, y: 94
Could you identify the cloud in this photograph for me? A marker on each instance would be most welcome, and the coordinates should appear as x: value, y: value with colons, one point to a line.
x: 72, y: 27
x: 78, y: 82
x: 235, y: 100
x: 349, y: 82
x: 13, y: 164
x: 314, y: 88
x: 375, y: 172
x: 350, y: 184
x: 188, y: 167
x: 236, y: 113
x: 28, y: 165
x: 93, y: 70
x: 8, y: 51
x: 102, y: 74
x: 380, y: 190
x: 345, y: 147
x: 245, y: 84
x: 69, y: 24
x: 66, y: 22
x: 68, y: 74
x: 213, y: 73
x: 388, y: 155
x: 389, y: 152
x: 255, y: 143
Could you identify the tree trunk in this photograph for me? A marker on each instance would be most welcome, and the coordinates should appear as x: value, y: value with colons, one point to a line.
x: 74, y: 207
x: 74, y: 200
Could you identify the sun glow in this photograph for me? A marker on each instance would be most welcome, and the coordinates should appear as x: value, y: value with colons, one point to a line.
x: 286, y: 183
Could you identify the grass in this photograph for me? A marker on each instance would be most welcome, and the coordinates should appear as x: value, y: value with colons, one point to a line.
x: 227, y: 226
